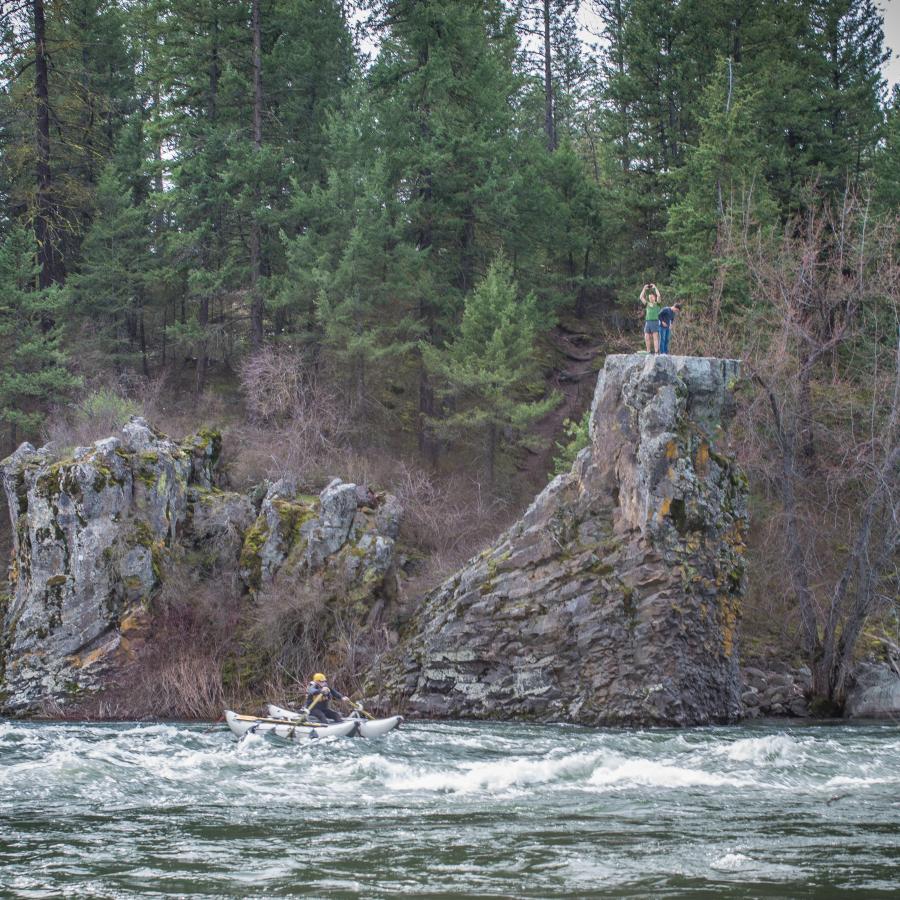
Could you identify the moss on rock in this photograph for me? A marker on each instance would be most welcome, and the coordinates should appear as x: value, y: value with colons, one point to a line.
x: 251, y: 551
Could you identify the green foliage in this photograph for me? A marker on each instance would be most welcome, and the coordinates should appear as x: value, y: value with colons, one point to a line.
x: 489, y: 369
x: 380, y: 189
x: 886, y: 164
x: 118, y: 270
x: 722, y: 176
x: 34, y: 370
x: 105, y: 405
x: 579, y: 437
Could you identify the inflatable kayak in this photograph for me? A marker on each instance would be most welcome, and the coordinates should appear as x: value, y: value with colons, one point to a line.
x: 368, y: 728
x: 286, y: 728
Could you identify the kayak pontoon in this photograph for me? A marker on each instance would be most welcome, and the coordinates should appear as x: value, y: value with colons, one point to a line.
x: 368, y: 728
x: 288, y: 728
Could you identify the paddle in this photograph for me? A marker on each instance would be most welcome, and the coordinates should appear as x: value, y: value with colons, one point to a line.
x: 268, y: 720
x: 359, y: 708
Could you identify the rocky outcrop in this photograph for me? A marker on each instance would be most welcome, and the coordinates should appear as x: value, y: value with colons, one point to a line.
x: 339, y: 544
x: 616, y: 598
x: 90, y: 535
x: 97, y: 532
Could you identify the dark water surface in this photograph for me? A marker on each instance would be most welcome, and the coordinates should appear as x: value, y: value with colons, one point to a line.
x: 471, y: 810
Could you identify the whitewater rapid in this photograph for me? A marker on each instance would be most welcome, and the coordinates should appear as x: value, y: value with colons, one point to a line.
x: 449, y: 810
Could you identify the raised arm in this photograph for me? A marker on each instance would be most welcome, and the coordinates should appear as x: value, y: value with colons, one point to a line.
x: 644, y: 295
x: 658, y: 293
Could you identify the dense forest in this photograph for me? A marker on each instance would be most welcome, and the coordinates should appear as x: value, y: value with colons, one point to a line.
x: 355, y: 229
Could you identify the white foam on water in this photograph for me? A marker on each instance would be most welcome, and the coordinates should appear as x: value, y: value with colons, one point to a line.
x: 774, y: 749
x: 626, y: 773
x: 854, y: 781
x: 491, y: 777
x: 731, y: 862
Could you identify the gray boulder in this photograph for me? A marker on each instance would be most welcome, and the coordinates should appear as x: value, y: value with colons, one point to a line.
x: 339, y: 546
x: 875, y: 693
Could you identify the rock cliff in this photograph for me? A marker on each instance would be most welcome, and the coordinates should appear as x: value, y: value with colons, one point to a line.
x: 96, y: 533
x: 616, y: 598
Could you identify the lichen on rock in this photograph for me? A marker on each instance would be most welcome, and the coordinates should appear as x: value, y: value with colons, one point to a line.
x: 91, y: 533
x: 616, y: 598
x: 344, y: 540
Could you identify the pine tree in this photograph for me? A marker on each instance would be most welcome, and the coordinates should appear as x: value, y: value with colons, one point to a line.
x: 33, y: 365
x: 68, y: 77
x: 489, y: 369
x: 424, y: 173
x: 848, y: 86
x: 111, y: 290
x: 886, y: 164
x: 722, y: 177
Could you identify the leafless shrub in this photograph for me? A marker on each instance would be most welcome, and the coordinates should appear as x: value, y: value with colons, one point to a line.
x: 820, y: 434
x: 290, y: 624
x: 301, y: 628
x: 180, y: 673
x: 288, y: 401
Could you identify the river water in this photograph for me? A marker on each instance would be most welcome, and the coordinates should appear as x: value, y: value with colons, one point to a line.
x: 464, y: 809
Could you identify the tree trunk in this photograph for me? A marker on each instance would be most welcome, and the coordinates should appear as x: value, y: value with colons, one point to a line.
x: 491, y: 453
x: 142, y: 337
x: 807, y: 444
x: 549, y: 123
x: 213, y: 93
x: 619, y: 24
x: 212, y: 100
x: 579, y: 297
x: 165, y: 324
x: 158, y: 186
x: 467, y: 250
x: 256, y: 309
x: 360, y: 381
x: 202, y: 356
x: 48, y: 274
x: 425, y: 435
x: 796, y: 560
x: 873, y: 548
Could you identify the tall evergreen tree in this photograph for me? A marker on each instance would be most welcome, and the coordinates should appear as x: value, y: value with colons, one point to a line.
x: 33, y: 363
x: 112, y: 289
x: 722, y: 177
x: 433, y: 147
x: 490, y: 366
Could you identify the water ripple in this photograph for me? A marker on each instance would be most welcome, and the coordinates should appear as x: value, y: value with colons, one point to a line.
x: 443, y: 809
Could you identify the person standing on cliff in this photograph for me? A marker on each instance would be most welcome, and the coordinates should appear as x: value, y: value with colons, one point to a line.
x: 650, y: 300
x: 666, y: 318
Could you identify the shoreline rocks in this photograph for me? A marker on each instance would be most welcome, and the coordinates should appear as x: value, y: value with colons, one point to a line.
x: 875, y: 692
x: 773, y: 689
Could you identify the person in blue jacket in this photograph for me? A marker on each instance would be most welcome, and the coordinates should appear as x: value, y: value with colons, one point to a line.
x: 666, y: 318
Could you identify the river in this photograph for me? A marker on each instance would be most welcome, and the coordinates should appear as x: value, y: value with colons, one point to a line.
x: 439, y: 809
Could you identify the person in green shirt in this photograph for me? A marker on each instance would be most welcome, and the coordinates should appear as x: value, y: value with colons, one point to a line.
x: 652, y: 303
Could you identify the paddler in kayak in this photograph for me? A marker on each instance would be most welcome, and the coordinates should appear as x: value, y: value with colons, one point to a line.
x: 318, y: 693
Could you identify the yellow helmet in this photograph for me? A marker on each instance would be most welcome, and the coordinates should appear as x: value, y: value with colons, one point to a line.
x: 319, y: 677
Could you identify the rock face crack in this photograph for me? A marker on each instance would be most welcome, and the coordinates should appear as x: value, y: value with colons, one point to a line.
x: 616, y: 598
